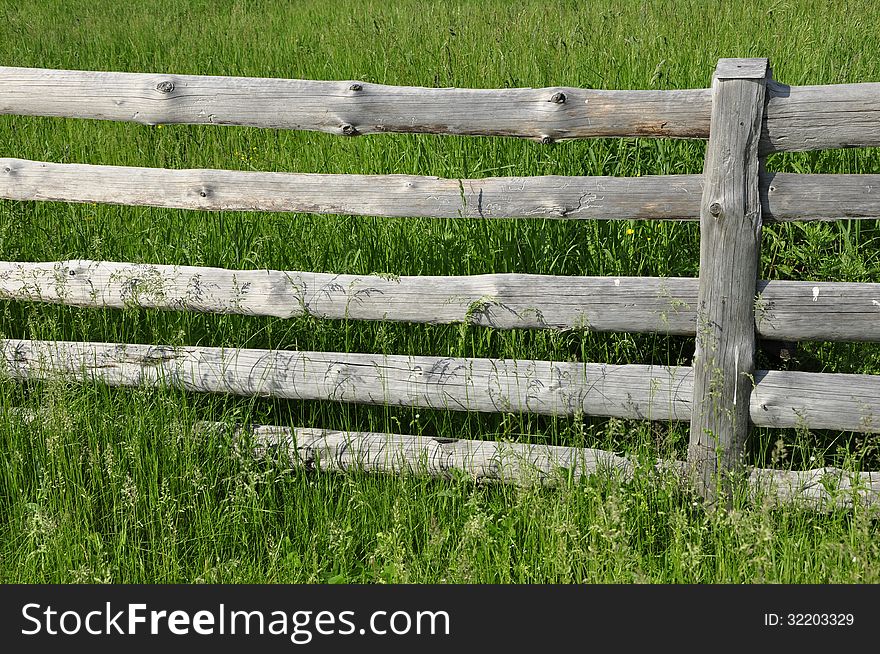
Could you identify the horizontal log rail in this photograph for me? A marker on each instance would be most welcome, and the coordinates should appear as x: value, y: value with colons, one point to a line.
x: 785, y: 310
x: 785, y: 197
x: 524, y: 464
x: 796, y: 118
x: 482, y: 385
x: 780, y: 399
x: 670, y: 197
x: 519, y: 464
x: 790, y: 197
x: 352, y: 107
x: 804, y: 118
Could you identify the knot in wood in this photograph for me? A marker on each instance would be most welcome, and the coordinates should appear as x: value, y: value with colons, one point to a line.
x: 715, y: 209
x: 558, y: 98
x: 165, y: 87
x: 356, y: 87
x: 349, y: 130
x: 547, y: 140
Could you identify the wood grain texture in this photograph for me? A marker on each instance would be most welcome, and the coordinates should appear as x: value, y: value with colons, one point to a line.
x: 818, y: 311
x: 332, y: 450
x: 797, y: 118
x: 781, y: 399
x: 352, y: 107
x: 730, y: 237
x: 670, y: 197
x: 744, y: 68
x: 483, y: 385
x: 801, y: 118
x: 808, y: 400
x: 784, y: 197
x: 787, y: 197
x: 784, y: 310
x: 525, y: 464
x: 504, y: 301
x: 823, y: 489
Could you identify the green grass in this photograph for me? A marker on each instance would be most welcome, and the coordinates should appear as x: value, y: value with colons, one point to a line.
x: 111, y: 485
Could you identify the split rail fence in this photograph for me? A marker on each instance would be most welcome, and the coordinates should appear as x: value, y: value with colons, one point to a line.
x: 745, y: 116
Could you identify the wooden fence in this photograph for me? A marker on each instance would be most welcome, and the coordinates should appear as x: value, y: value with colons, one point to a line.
x: 745, y: 116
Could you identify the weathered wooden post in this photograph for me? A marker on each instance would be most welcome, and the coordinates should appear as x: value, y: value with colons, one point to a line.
x: 730, y: 236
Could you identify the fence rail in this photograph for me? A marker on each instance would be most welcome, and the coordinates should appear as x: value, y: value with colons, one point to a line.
x: 784, y: 310
x: 671, y: 197
x: 796, y: 118
x: 780, y: 399
x: 745, y: 115
x: 521, y: 463
x: 785, y: 197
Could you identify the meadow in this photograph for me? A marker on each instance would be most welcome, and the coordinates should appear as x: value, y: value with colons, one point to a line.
x: 113, y: 485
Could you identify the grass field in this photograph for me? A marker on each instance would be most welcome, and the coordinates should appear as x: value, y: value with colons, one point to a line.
x: 111, y: 485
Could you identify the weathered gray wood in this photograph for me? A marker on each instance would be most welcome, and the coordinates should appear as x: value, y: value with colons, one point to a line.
x: 797, y: 118
x: 525, y: 464
x: 813, y: 400
x: 670, y: 197
x: 730, y: 234
x: 781, y: 399
x: 821, y: 488
x: 784, y: 197
x: 755, y: 68
x: 505, y: 301
x: 816, y: 400
x: 351, y: 107
x: 787, y: 197
x: 520, y: 464
x: 817, y: 311
x: 487, y: 385
x: 784, y: 310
